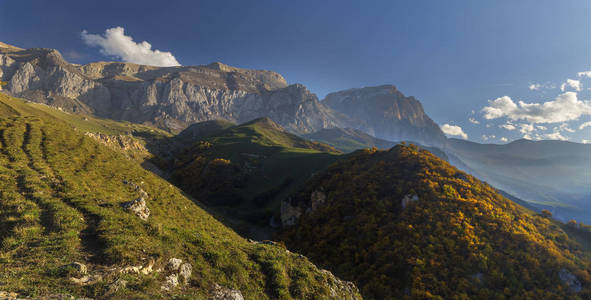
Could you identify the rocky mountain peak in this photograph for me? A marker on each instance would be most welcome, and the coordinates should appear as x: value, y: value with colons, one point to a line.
x: 5, y: 46
x: 173, y: 98
x: 383, y: 111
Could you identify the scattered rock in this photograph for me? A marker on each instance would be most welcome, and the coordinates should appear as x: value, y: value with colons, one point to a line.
x: 130, y: 269
x: 79, y: 267
x: 86, y: 280
x: 174, y: 264
x: 570, y: 280
x: 15, y: 296
x: 138, y: 269
x: 185, y: 272
x: 138, y: 207
x: 223, y: 293
x: 8, y: 295
x: 408, y: 199
x: 172, y: 281
x: 148, y: 269
x: 119, y: 142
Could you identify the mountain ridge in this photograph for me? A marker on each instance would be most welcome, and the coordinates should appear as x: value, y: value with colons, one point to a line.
x: 172, y: 98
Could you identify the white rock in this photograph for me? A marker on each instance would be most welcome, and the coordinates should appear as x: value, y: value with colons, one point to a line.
x: 174, y: 264
x: 171, y: 282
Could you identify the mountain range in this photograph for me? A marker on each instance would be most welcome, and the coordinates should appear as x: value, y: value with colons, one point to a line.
x: 555, y: 175
x: 131, y: 181
x: 174, y: 97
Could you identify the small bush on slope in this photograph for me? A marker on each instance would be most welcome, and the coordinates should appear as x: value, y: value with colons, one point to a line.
x: 60, y: 201
x: 460, y: 240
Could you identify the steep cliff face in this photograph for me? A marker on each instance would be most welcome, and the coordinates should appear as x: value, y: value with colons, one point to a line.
x: 170, y: 97
x: 386, y: 113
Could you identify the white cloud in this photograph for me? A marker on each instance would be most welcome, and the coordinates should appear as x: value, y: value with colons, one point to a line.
x: 504, y: 139
x: 586, y: 141
x: 473, y: 121
x: 508, y: 126
x: 556, y: 135
x: 566, y: 107
x: 564, y: 127
x: 526, y: 128
x: 115, y: 43
x: 540, y: 127
x: 454, y: 130
x: 572, y: 83
x: 584, y: 74
x: 485, y: 137
x: 585, y: 125
x: 535, y: 87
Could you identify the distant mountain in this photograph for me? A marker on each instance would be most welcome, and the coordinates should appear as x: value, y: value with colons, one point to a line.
x: 549, y: 174
x: 384, y: 112
x: 82, y: 219
x: 168, y: 97
x: 348, y: 139
x: 173, y: 98
x: 405, y: 224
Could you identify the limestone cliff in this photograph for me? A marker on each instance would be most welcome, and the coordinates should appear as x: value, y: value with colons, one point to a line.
x: 169, y: 97
x: 172, y: 98
x: 384, y: 112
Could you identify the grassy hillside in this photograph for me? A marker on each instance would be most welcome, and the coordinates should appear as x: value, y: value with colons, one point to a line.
x: 247, y: 168
x: 404, y: 223
x: 61, y: 201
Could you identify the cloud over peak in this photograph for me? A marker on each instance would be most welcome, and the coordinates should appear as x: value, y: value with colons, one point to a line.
x: 454, y: 130
x: 115, y: 43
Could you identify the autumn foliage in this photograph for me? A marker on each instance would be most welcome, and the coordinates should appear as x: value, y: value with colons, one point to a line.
x: 460, y: 240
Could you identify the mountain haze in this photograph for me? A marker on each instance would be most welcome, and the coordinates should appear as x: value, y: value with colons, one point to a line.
x: 404, y: 224
x: 384, y: 112
x: 550, y: 174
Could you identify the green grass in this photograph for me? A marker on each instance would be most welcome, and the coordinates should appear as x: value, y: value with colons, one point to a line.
x: 60, y: 196
x: 262, y: 165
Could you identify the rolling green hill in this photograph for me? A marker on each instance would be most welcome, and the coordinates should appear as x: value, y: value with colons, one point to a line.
x: 403, y: 223
x: 245, y: 169
x: 66, y: 199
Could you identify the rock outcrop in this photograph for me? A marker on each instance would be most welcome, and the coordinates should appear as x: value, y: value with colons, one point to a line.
x: 340, y: 289
x: 179, y: 273
x: 292, y: 212
x: 223, y: 293
x: 169, y: 97
x: 173, y: 98
x: 138, y: 207
x: 384, y: 112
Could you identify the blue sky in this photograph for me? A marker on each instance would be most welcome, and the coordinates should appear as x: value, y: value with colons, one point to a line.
x: 454, y: 56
